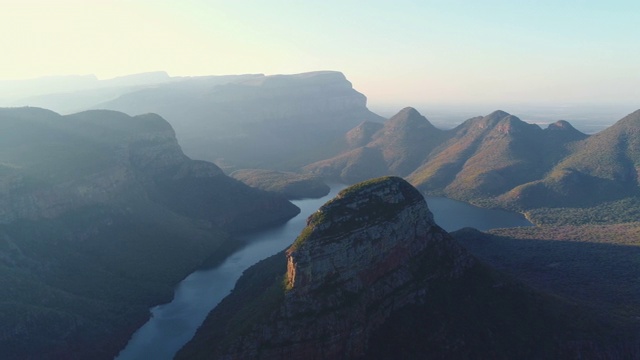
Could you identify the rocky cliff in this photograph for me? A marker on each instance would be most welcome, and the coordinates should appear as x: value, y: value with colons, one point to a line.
x: 373, y: 277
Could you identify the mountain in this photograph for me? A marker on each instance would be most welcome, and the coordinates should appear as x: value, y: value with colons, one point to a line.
x: 255, y: 121
x: 396, y: 148
x: 488, y: 156
x: 373, y: 277
x: 498, y: 160
x: 101, y: 214
x: 602, y: 168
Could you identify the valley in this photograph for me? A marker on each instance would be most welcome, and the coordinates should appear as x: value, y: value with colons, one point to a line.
x: 334, y: 180
x: 103, y: 214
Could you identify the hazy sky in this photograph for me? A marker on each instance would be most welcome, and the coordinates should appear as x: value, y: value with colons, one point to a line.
x: 400, y: 52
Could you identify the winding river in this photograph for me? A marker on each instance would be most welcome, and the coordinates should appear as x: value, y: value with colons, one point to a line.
x: 173, y: 324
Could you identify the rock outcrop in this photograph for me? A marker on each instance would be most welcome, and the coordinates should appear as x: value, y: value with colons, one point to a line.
x: 353, y: 266
x: 373, y: 277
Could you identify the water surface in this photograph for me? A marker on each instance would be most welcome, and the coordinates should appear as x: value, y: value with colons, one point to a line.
x: 453, y: 215
x: 172, y: 325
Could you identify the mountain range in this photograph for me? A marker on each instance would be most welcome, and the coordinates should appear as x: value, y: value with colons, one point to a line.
x: 495, y: 160
x: 237, y: 121
x: 101, y: 214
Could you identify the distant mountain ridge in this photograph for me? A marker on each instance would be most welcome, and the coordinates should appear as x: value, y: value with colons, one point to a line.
x: 247, y: 121
x: 497, y: 160
x: 69, y: 94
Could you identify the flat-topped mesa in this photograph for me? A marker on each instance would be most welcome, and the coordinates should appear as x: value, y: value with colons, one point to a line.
x: 369, y: 232
x: 361, y: 205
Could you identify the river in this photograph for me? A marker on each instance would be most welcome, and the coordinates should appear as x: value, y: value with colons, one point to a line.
x: 173, y: 324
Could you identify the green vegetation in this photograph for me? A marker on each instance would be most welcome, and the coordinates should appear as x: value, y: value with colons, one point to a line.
x: 291, y: 185
x: 300, y: 239
x: 613, y: 212
x: 353, y: 189
x: 396, y: 148
x: 344, y: 219
x: 592, y: 265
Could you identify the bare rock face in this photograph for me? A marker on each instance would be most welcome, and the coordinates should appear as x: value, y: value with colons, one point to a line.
x: 361, y: 257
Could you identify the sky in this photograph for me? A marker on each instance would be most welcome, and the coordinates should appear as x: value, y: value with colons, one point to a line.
x: 401, y: 52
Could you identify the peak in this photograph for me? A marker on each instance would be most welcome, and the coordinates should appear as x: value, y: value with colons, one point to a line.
x: 361, y: 205
x: 376, y: 190
x: 561, y: 125
x: 633, y: 117
x: 408, y: 111
x: 409, y: 116
x: 498, y: 114
x: 513, y: 125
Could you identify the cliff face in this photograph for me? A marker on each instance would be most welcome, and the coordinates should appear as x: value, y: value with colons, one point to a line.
x: 362, y: 236
x: 358, y: 261
x: 355, y: 265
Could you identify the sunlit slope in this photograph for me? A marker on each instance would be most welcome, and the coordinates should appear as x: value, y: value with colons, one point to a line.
x: 603, y: 167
